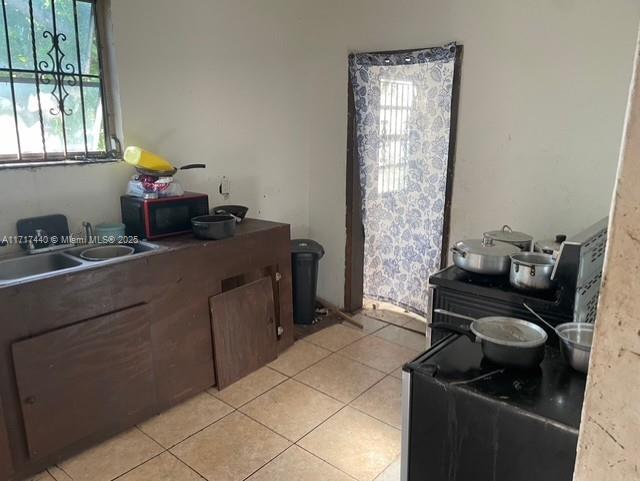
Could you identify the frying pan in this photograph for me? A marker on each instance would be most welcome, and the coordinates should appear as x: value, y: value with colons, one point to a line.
x: 168, y: 173
x: 505, y: 340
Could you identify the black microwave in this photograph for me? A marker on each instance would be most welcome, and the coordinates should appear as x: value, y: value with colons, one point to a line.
x: 162, y: 217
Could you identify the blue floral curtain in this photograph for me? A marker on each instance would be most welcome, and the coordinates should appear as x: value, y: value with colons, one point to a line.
x: 403, y: 110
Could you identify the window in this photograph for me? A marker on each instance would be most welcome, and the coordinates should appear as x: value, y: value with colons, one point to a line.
x: 396, y: 103
x: 53, y: 92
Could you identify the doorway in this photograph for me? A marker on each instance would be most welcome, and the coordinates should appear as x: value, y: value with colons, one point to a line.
x: 402, y: 121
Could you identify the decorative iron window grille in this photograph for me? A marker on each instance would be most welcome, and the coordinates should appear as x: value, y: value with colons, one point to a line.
x: 53, y: 97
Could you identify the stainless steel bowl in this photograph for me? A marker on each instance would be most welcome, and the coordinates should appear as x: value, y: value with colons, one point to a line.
x: 531, y: 270
x: 575, y: 343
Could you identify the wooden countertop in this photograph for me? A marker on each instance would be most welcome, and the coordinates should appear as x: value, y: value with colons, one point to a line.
x: 246, y: 227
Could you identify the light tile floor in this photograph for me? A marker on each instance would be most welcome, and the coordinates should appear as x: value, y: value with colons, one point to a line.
x: 328, y: 409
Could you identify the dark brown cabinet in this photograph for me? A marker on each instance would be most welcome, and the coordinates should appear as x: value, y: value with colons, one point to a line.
x: 244, y: 330
x: 5, y: 453
x: 91, y: 353
x: 74, y: 381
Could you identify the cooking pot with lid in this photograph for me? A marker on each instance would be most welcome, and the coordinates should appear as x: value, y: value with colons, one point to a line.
x: 506, y: 234
x: 483, y: 256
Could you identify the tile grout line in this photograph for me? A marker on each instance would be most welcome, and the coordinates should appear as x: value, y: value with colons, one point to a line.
x: 188, y: 466
x: 397, y: 343
x: 346, y: 345
x: 327, y: 420
x: 309, y: 366
x: 60, y: 468
x: 371, y: 367
x: 370, y: 388
x: 325, y: 461
x: 373, y: 417
x: 137, y: 466
x: 342, y: 405
x: 199, y: 431
x: 265, y: 392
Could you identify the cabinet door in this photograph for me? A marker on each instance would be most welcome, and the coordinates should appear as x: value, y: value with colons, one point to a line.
x: 85, y: 378
x: 244, y: 331
x: 5, y: 453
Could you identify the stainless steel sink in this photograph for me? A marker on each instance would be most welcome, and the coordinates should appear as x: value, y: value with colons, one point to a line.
x: 139, y: 248
x: 30, y: 266
x: 27, y: 268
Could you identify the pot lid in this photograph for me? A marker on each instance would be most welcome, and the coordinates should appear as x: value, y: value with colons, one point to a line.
x: 506, y: 234
x: 487, y: 246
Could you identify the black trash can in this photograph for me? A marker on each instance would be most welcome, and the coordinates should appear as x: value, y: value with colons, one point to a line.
x: 305, y: 254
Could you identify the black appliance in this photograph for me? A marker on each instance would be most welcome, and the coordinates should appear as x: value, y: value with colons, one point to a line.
x: 162, y: 217
x: 478, y: 295
x: 578, y: 275
x: 465, y: 419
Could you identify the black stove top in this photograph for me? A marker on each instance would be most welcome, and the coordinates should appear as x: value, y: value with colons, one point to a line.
x: 491, y: 286
x: 553, y: 391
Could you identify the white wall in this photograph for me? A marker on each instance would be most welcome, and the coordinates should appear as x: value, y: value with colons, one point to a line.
x: 219, y: 83
x: 206, y: 82
x: 542, y: 105
x: 257, y: 90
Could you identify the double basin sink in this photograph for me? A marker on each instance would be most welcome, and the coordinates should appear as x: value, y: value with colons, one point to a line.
x: 29, y: 268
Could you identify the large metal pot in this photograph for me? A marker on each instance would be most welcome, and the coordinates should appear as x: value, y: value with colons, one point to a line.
x: 531, y: 270
x: 483, y: 256
x: 505, y: 340
x: 506, y: 234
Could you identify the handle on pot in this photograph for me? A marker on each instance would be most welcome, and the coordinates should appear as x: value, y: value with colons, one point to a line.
x: 463, y: 331
x: 487, y: 241
x: 225, y: 212
x: 460, y: 252
x: 454, y: 314
x: 506, y: 228
x: 193, y: 166
x: 516, y: 267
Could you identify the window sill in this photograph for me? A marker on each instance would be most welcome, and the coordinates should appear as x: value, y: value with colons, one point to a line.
x: 56, y: 163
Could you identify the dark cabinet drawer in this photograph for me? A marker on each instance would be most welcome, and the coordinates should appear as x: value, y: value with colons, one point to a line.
x: 74, y: 381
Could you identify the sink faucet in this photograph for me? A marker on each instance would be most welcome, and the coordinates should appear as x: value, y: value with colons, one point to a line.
x: 41, y: 237
x: 88, y: 232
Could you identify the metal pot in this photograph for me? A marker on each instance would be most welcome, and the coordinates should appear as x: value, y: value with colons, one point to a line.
x: 550, y: 246
x: 214, y: 226
x: 531, y: 270
x: 505, y: 340
x: 483, y: 256
x: 506, y: 234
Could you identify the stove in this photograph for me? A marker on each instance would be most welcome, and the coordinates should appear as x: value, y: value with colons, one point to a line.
x: 454, y: 289
x: 578, y: 275
x: 466, y: 419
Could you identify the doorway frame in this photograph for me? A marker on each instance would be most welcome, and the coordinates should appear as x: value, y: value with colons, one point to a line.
x: 354, y: 249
